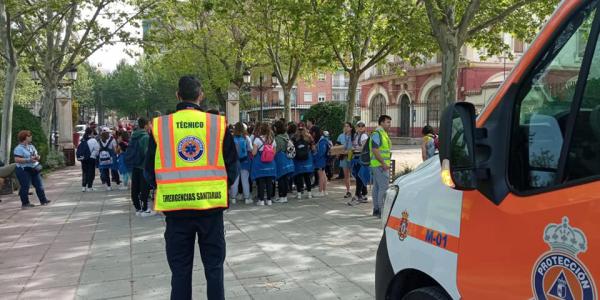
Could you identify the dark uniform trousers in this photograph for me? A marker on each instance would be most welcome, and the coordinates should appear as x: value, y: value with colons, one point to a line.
x: 180, y: 237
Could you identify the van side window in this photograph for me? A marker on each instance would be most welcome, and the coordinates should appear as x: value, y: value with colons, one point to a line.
x: 540, y: 126
x: 583, y: 160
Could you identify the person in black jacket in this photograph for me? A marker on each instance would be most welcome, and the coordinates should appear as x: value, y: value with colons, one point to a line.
x: 183, y: 226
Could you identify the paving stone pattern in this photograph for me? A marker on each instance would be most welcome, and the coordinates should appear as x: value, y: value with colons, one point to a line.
x: 92, y: 246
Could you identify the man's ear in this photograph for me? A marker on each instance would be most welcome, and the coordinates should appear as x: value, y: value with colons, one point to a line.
x: 200, y: 97
x: 177, y: 95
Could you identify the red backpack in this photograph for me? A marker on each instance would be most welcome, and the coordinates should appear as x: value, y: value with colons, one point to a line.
x: 268, y: 153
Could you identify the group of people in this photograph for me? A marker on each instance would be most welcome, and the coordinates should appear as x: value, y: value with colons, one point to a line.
x: 283, y: 155
x: 193, y: 163
x: 119, y: 155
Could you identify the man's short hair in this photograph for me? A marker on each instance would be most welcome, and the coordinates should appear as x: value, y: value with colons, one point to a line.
x: 382, y: 119
x: 189, y: 88
x: 142, y: 123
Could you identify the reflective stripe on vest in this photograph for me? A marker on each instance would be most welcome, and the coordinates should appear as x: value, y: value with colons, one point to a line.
x: 189, y: 165
x: 385, y: 149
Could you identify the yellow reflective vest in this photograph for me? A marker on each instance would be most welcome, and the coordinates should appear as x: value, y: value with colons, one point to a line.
x: 385, y: 149
x: 189, y: 166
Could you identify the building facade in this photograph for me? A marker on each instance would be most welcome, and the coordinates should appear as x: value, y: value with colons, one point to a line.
x: 321, y: 87
x: 411, y: 95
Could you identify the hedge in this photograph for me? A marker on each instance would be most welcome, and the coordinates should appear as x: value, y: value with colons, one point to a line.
x: 328, y: 116
x: 23, y: 119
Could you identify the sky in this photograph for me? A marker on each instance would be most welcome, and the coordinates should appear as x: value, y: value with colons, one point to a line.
x: 108, y: 57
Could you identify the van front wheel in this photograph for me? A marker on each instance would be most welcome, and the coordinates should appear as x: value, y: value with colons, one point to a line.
x: 427, y: 293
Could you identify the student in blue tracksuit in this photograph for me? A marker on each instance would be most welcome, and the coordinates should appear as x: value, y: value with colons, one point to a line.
x: 263, y: 172
x: 285, y: 165
x: 303, y: 161
x: 320, y: 161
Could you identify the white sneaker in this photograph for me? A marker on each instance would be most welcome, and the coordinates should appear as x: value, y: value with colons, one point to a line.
x: 147, y: 213
x: 83, y: 189
x: 281, y: 200
x: 232, y: 200
x: 326, y: 193
x: 108, y: 188
x: 269, y: 202
x: 90, y: 189
x: 123, y: 187
x: 248, y: 201
x: 260, y: 203
x: 138, y: 212
x: 310, y: 195
x: 299, y: 196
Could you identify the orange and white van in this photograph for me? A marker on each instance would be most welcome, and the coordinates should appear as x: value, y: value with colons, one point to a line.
x: 516, y: 214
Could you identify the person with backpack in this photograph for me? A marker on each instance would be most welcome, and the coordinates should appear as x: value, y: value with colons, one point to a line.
x: 264, y: 169
x: 291, y: 132
x: 429, y: 145
x: 303, y: 161
x: 380, y: 148
x: 284, y: 154
x: 123, y: 142
x: 320, y: 161
x: 243, y: 146
x: 87, y: 152
x: 358, y: 143
x: 134, y: 159
x: 107, y: 158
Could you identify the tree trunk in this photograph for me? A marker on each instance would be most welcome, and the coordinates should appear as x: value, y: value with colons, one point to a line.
x: 47, y: 110
x: 10, y: 83
x: 12, y: 70
x: 287, y: 101
x: 450, y: 63
x: 352, y: 86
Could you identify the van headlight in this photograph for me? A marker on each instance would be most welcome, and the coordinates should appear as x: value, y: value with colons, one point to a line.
x: 390, y: 198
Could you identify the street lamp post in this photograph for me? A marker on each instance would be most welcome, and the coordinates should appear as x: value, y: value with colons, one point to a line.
x: 260, y: 87
x: 66, y: 124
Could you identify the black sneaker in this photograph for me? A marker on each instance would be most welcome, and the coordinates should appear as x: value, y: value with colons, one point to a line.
x: 46, y: 203
x: 26, y: 206
x: 348, y: 195
x: 377, y: 213
x: 363, y: 199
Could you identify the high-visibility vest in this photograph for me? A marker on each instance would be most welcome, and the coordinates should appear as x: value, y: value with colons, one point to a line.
x: 385, y: 149
x: 189, y: 166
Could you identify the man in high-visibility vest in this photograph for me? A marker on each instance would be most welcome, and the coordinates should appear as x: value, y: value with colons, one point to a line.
x: 381, y: 157
x: 191, y: 162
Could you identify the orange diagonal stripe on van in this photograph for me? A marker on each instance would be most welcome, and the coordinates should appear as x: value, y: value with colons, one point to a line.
x: 428, y: 235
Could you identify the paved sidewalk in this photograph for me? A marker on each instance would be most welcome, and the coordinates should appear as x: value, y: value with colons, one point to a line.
x: 92, y: 246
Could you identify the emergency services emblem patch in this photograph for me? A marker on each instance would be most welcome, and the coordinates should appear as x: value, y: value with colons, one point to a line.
x: 190, y: 148
x: 558, y: 274
x: 403, y: 228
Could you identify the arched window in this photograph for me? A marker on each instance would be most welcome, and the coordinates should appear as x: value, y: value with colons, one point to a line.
x: 377, y: 107
x: 434, y: 106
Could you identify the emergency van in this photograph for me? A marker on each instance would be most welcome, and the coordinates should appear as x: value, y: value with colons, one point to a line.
x: 510, y: 209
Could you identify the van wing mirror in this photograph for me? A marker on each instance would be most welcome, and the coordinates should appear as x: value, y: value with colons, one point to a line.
x: 457, y: 145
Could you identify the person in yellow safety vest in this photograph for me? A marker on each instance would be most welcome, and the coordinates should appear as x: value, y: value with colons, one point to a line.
x: 380, y: 148
x: 191, y: 162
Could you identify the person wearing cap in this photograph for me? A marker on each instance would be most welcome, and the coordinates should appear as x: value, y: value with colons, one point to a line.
x: 345, y: 139
x: 358, y: 143
x: 330, y: 159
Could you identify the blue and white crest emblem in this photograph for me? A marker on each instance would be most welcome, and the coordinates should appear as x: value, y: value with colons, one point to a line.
x: 558, y: 274
x: 190, y: 148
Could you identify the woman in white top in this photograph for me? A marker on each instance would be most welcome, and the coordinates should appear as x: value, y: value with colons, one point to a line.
x: 264, y: 172
x: 88, y: 165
